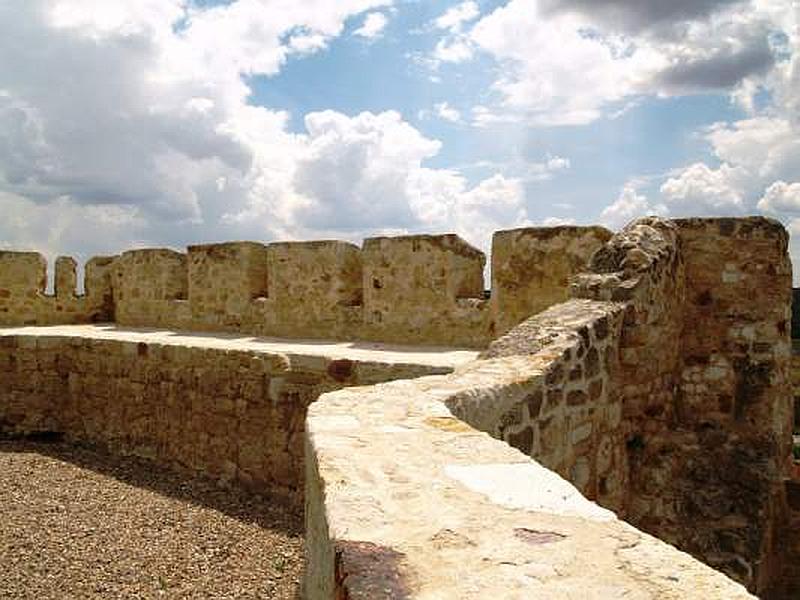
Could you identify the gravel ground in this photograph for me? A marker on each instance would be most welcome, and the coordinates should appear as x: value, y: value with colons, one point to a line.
x: 79, y: 523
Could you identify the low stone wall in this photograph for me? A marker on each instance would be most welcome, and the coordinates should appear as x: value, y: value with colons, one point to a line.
x: 570, y: 418
x: 403, y: 500
x: 226, y: 408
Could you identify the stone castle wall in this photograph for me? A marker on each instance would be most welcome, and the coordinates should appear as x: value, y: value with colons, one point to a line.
x: 404, y: 500
x: 235, y: 413
x: 417, y: 289
x: 568, y: 417
x: 23, y: 279
x: 657, y: 384
x: 718, y: 463
x: 655, y: 376
x: 532, y: 268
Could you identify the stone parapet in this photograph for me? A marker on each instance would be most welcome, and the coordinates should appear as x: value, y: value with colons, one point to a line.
x: 689, y: 321
x: 23, y: 279
x: 532, y: 268
x: 232, y: 409
x: 570, y: 418
x: 404, y: 500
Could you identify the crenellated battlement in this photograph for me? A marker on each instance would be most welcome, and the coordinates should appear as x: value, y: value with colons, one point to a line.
x: 24, y: 301
x: 425, y: 289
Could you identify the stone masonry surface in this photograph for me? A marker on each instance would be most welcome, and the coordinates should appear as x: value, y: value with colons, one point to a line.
x: 423, y: 289
x: 593, y: 389
x: 655, y: 384
x: 228, y: 407
x: 531, y: 268
x: 688, y: 420
x: 405, y: 501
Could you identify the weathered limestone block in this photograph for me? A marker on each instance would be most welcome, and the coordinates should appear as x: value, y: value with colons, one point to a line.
x: 98, y: 291
x: 66, y: 285
x: 23, y: 277
x: 532, y: 266
x: 22, y: 271
x: 224, y: 279
x: 315, y: 288
x: 426, y: 288
x: 149, y: 287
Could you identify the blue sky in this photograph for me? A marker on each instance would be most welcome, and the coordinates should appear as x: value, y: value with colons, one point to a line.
x: 168, y: 122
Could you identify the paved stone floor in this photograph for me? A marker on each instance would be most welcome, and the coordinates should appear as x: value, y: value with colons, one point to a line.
x: 78, y: 523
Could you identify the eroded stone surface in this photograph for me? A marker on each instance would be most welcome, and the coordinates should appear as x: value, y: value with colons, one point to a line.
x: 532, y: 266
x: 421, y: 289
x: 230, y: 407
x: 678, y: 413
x: 418, y: 497
x: 23, y: 301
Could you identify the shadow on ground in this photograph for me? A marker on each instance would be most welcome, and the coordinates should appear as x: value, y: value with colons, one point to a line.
x: 273, y: 512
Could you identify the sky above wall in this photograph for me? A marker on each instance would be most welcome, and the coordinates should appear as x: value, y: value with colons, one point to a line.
x: 130, y: 123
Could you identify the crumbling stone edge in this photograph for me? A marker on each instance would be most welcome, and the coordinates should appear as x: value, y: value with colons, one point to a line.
x: 416, y: 470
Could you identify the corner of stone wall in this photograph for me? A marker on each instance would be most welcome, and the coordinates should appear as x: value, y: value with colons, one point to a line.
x: 571, y: 420
x: 624, y: 390
x: 408, y: 501
x: 532, y: 266
x: 734, y: 401
x: 703, y: 377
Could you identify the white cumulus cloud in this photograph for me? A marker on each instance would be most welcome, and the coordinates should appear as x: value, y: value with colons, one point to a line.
x: 700, y: 190
x: 569, y: 62
x: 373, y: 25
x: 781, y: 197
x: 629, y: 205
x: 133, y: 120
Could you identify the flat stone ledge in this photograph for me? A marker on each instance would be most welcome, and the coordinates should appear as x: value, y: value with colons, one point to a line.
x: 405, y: 501
x: 300, y: 353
